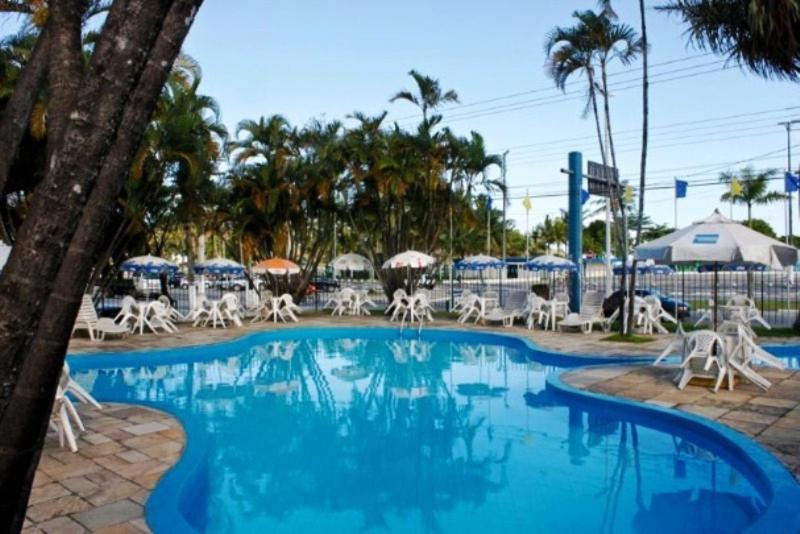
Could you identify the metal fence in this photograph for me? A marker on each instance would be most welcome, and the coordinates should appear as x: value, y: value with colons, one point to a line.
x: 775, y: 293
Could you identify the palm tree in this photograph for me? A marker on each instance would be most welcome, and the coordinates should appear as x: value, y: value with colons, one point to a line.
x: 763, y: 35
x: 429, y: 96
x: 754, y: 189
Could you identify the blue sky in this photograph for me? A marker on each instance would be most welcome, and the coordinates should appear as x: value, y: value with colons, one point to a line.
x: 310, y: 59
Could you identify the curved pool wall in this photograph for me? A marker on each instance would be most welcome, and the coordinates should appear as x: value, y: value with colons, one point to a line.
x: 175, y: 502
x: 763, y: 469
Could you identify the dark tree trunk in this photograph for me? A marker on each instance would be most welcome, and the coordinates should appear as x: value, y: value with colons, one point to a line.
x: 64, y: 69
x: 16, y: 114
x: 64, y: 229
x: 643, y: 160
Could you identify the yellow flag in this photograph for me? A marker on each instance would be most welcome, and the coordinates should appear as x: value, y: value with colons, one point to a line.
x: 628, y: 194
x: 736, y: 188
x: 526, y: 202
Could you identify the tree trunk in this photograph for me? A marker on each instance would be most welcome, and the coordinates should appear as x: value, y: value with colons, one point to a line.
x: 16, y: 114
x: 64, y: 69
x: 643, y: 160
x: 92, y: 159
x: 593, y: 98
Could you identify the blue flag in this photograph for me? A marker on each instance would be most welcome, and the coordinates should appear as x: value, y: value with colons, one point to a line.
x: 680, y: 188
x: 790, y: 182
x: 489, y: 203
x: 584, y: 196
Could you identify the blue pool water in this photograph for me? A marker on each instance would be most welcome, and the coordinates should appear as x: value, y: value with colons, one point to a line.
x: 334, y: 430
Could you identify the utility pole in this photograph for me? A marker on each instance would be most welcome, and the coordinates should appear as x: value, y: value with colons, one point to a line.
x: 788, y: 126
x: 504, y: 206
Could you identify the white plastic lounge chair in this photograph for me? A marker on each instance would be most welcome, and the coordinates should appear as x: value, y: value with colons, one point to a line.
x: 97, y: 327
x: 159, y: 318
x: 535, y: 311
x: 500, y: 315
x: 590, y: 314
x: 75, y: 389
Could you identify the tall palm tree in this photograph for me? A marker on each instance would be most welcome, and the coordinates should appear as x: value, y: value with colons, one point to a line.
x: 763, y: 35
x: 754, y: 188
x: 429, y: 94
x: 571, y: 53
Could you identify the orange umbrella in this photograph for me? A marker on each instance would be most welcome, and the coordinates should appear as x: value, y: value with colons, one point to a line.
x: 276, y: 266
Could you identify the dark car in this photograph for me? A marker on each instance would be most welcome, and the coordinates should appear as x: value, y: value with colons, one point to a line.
x: 178, y: 280
x: 324, y: 284
x: 732, y: 267
x: 676, y: 308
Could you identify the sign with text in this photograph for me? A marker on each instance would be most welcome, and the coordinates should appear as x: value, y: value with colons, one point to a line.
x: 600, y: 178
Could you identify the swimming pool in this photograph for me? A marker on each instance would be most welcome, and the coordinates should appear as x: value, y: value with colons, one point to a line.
x: 340, y: 430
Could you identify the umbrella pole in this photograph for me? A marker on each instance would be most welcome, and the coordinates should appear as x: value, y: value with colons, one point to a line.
x: 715, y: 295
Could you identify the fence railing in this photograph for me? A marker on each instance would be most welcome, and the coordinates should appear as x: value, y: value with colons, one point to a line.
x: 775, y: 293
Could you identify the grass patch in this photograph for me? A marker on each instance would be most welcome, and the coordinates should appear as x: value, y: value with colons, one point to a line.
x: 629, y: 338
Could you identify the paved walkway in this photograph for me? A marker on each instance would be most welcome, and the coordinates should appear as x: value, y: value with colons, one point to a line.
x: 103, y: 487
x: 772, y: 417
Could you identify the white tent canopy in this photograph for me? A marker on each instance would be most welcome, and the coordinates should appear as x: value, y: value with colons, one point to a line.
x: 718, y: 239
x: 351, y: 262
x: 409, y: 259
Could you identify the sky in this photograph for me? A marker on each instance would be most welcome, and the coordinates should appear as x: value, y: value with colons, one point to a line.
x: 318, y: 59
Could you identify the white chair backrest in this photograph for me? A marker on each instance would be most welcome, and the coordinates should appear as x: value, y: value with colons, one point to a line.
x: 399, y: 294
x: 653, y: 302
x: 704, y: 340
x: 230, y: 301
x: 128, y: 304
x: 740, y: 300
x: 87, y: 313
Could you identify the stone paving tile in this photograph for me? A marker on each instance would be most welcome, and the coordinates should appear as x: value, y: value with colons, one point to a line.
x: 772, y: 417
x: 62, y: 525
x: 105, y: 486
x: 109, y: 514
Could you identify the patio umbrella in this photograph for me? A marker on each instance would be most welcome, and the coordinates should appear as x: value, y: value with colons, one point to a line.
x: 148, y: 265
x: 351, y: 262
x: 717, y: 239
x: 277, y: 266
x: 479, y: 262
x: 411, y: 259
x: 720, y: 240
x: 550, y: 263
x: 218, y: 266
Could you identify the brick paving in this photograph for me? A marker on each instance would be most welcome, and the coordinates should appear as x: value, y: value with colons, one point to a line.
x: 772, y: 417
x: 103, y: 487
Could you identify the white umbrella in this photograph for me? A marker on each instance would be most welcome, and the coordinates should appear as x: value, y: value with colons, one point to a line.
x: 409, y: 259
x: 351, y: 262
x: 218, y: 266
x: 479, y: 262
x: 720, y: 240
x: 148, y: 264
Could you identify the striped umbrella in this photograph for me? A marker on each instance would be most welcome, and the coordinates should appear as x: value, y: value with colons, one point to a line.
x: 148, y: 265
x: 276, y: 266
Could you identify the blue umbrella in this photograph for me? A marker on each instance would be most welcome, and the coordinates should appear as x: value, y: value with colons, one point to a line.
x: 479, y: 262
x: 148, y: 265
x: 550, y: 264
x: 218, y: 266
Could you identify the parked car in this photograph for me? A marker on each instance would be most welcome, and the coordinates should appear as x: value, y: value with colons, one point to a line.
x: 675, y: 307
x: 323, y: 284
x: 734, y: 267
x: 231, y: 284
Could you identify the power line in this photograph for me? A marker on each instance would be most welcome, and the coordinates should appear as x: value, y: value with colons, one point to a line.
x: 550, y: 87
x: 709, y: 122
x: 568, y: 96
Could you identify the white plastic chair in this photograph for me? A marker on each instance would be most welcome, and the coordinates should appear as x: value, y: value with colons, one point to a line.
x: 287, y: 308
x: 701, y: 357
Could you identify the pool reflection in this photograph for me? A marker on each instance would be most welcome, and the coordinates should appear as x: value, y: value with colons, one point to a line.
x: 419, y: 436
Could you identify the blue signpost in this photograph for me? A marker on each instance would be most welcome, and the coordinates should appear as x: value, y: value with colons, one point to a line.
x: 575, y: 226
